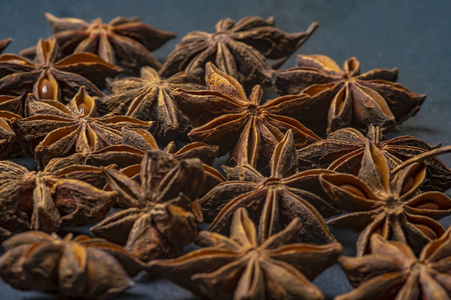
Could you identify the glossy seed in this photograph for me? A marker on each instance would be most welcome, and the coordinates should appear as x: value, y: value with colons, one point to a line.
x: 408, y: 184
x: 427, y: 231
x: 428, y: 206
x: 353, y: 190
x: 45, y: 89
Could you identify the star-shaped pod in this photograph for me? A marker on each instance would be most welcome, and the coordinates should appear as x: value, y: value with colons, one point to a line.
x: 9, y: 144
x: 160, y: 215
x: 245, y: 127
x: 239, y: 49
x: 14, y: 104
x: 392, y: 271
x: 273, y: 201
x: 54, y: 130
x: 123, y: 41
x: 151, y: 97
x: 244, y: 267
x: 80, y: 267
x: 4, y: 43
x: 51, y: 79
x: 344, y: 97
x: 386, y: 203
x: 45, y: 201
x: 343, y: 151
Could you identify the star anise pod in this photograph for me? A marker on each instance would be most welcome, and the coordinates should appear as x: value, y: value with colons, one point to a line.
x: 243, y: 266
x: 392, y: 271
x: 80, y: 267
x: 344, y: 97
x: 123, y: 41
x: 160, y: 215
x: 55, y: 130
x: 384, y: 201
x: 239, y: 49
x: 44, y: 201
x: 150, y: 97
x: 4, y: 43
x: 343, y: 150
x: 247, y: 128
x: 14, y: 104
x: 9, y: 144
x: 51, y: 79
x: 272, y: 201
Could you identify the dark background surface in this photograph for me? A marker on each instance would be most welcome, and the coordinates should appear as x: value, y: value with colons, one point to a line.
x: 414, y: 36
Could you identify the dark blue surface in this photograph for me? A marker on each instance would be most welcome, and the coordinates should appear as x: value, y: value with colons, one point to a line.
x: 411, y: 35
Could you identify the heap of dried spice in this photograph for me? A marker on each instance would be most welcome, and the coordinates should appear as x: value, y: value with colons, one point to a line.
x: 262, y: 173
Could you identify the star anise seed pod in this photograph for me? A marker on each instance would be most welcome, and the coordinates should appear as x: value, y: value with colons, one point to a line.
x: 272, y: 201
x: 245, y: 127
x: 239, y: 49
x: 392, y: 271
x: 51, y: 79
x: 68, y: 129
x: 79, y: 267
x: 4, y: 43
x: 44, y: 201
x: 244, y: 267
x: 383, y: 201
x: 160, y: 216
x: 150, y: 97
x: 14, y: 104
x: 9, y: 144
x: 123, y: 41
x: 344, y: 97
x: 343, y: 150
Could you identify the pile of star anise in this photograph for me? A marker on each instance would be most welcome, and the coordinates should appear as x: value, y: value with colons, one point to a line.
x: 281, y: 166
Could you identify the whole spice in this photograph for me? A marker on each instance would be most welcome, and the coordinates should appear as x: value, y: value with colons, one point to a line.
x: 246, y: 128
x: 79, y: 267
x: 243, y: 266
x: 150, y: 97
x: 44, y: 201
x: 344, y: 97
x: 343, y: 150
x: 51, y: 79
x: 239, y: 49
x: 4, y: 43
x: 386, y: 203
x: 272, y: 201
x: 392, y: 271
x: 9, y: 145
x: 160, y: 216
x: 72, y: 128
x: 14, y: 104
x: 123, y: 41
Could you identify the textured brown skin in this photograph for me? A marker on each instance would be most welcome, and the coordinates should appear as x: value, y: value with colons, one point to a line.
x: 244, y: 267
x: 150, y: 97
x: 272, y: 201
x: 43, y: 201
x: 344, y: 97
x: 9, y: 143
x: 225, y: 117
x: 54, y: 130
x: 159, y: 216
x: 343, y: 150
x: 80, y: 267
x: 392, y: 205
x: 22, y: 76
x: 392, y: 271
x: 4, y: 43
x: 239, y: 49
x: 123, y: 41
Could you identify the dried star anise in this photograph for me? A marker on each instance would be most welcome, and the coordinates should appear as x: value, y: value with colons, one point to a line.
x: 239, y: 49
x: 272, y: 201
x: 243, y: 266
x: 51, y: 79
x: 14, y: 104
x: 9, y: 145
x: 123, y: 41
x: 54, y: 130
x: 80, y: 267
x: 393, y: 272
x: 346, y: 98
x: 227, y: 118
x: 44, y: 201
x: 386, y: 203
x: 343, y: 150
x: 160, y: 215
x: 4, y: 43
x: 151, y: 98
